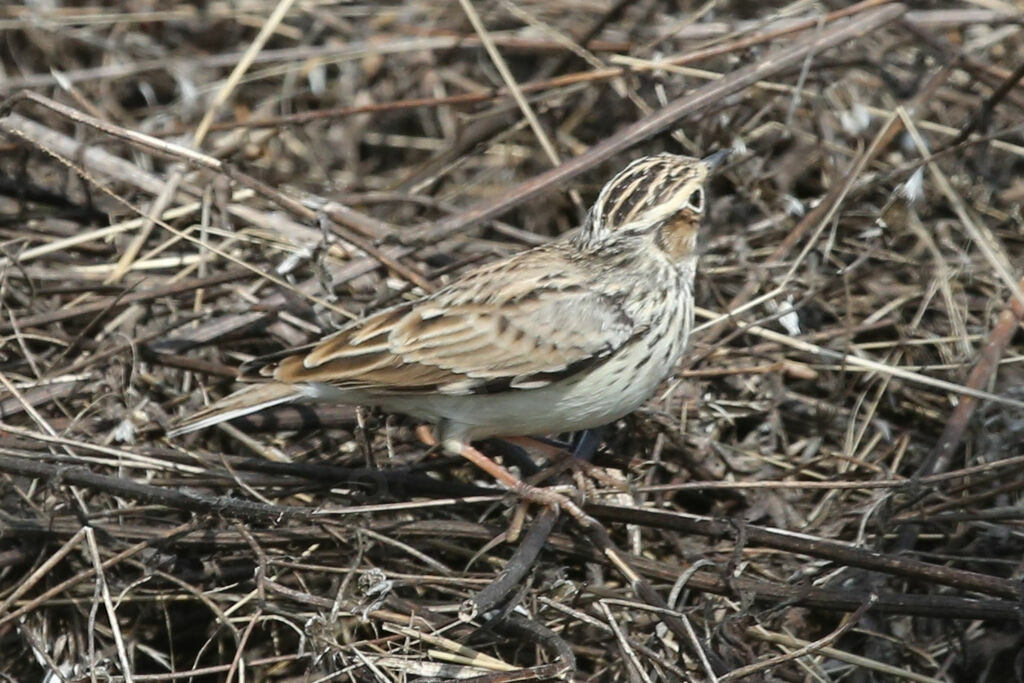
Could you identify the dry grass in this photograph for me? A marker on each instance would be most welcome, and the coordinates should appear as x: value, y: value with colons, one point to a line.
x: 829, y: 488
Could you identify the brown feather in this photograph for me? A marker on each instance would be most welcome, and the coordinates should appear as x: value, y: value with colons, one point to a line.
x: 486, y: 332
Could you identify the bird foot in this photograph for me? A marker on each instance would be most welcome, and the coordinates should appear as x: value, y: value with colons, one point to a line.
x: 551, y: 498
x: 548, y: 497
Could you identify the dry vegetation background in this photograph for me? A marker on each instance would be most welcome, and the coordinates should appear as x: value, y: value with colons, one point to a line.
x: 828, y: 490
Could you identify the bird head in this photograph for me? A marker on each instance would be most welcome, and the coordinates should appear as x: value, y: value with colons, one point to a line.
x: 658, y: 197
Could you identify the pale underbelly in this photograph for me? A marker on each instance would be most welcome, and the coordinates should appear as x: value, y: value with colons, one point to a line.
x: 591, y: 399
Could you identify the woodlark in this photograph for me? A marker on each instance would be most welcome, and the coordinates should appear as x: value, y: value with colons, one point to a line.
x: 563, y: 337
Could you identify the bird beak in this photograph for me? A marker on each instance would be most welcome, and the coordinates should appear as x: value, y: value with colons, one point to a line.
x: 715, y: 160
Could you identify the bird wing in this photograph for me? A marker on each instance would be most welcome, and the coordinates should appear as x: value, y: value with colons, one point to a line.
x: 522, y: 323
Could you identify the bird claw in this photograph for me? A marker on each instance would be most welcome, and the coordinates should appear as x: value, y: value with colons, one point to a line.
x: 551, y: 499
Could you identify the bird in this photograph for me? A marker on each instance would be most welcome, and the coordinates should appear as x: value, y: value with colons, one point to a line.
x: 566, y: 336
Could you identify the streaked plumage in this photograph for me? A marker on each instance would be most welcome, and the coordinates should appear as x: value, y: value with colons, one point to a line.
x: 566, y: 336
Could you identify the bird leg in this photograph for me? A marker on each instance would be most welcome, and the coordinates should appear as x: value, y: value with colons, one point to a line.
x: 565, y: 459
x: 527, y: 492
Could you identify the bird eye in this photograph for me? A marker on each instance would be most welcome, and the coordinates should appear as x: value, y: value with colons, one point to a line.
x: 697, y: 199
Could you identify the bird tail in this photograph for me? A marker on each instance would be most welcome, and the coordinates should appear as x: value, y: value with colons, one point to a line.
x: 251, y: 399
